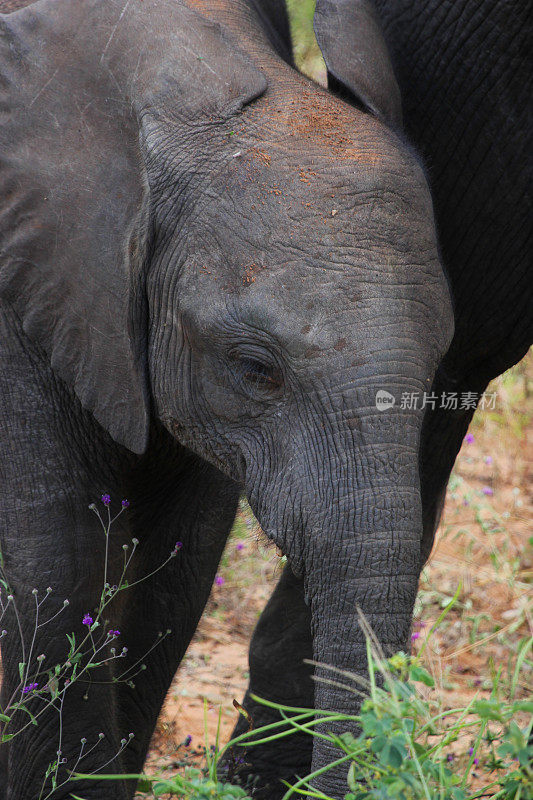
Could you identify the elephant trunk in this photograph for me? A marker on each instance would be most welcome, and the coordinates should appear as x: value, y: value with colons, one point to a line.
x: 372, y: 564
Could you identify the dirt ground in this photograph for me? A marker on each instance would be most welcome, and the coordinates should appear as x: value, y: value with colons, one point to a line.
x: 484, y: 541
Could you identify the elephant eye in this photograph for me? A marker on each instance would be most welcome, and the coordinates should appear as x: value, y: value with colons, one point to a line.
x: 258, y: 375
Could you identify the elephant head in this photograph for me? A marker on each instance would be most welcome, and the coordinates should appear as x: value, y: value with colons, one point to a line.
x: 193, y: 231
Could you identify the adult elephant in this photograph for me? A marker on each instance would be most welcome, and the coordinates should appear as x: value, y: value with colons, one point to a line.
x: 209, y: 268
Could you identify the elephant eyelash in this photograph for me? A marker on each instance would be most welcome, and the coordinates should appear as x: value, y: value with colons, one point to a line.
x: 253, y: 373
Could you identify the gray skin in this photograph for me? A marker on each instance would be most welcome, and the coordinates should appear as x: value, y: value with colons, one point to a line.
x: 184, y: 318
x: 463, y: 70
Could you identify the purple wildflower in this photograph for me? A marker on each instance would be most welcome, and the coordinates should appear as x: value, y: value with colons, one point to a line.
x: 469, y: 438
x: 87, y: 620
x: 239, y: 546
x: 106, y: 499
x: 476, y: 762
x: 125, y: 503
x: 219, y: 580
x: 114, y: 634
x: 470, y: 751
x: 488, y: 460
x: 450, y: 757
x: 178, y: 545
x: 30, y: 688
x: 487, y: 490
x: 415, y: 636
x: 478, y: 682
x: 188, y: 740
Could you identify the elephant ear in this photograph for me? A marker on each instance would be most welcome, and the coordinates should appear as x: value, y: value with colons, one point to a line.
x: 76, y: 77
x: 356, y: 55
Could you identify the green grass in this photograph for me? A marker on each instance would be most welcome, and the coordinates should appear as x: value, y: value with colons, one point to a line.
x: 408, y: 747
x: 307, y: 55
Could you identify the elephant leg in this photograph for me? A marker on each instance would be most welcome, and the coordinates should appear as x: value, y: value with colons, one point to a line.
x: 118, y: 700
x: 280, y: 643
x: 165, y: 609
x: 76, y: 714
x: 54, y: 461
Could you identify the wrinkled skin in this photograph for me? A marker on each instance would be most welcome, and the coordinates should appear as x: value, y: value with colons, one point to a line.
x: 464, y: 75
x: 184, y: 318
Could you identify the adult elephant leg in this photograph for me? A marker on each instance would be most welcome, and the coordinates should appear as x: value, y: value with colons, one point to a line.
x: 443, y: 432
x: 76, y: 714
x: 280, y: 643
x: 198, y: 511
x: 54, y: 461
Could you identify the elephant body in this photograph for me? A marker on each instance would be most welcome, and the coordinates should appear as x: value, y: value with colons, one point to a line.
x: 465, y: 79
x: 210, y: 268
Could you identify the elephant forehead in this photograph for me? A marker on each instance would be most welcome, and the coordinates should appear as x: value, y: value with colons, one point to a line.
x: 268, y: 194
x: 296, y: 171
x: 311, y: 119
x: 308, y: 308
x: 247, y: 227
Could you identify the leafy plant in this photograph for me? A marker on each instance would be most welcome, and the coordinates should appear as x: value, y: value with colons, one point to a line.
x: 192, y: 785
x: 401, y: 745
x: 407, y: 747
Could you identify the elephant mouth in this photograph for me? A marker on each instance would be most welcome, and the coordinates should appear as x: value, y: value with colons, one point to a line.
x: 296, y: 570
x: 281, y: 554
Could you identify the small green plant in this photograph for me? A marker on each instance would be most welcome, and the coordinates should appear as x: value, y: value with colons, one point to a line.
x: 405, y: 750
x: 408, y: 747
x: 193, y: 784
x: 43, y: 687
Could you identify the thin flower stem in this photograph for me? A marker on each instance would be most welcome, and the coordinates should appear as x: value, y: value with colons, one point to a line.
x: 25, y: 680
x: 315, y: 774
x: 90, y: 750
x: 106, y: 533
x: 79, y: 757
x: 60, y: 744
x: 149, y: 575
x: 47, y: 621
x: 11, y: 700
x: 139, y: 660
x: 110, y: 761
